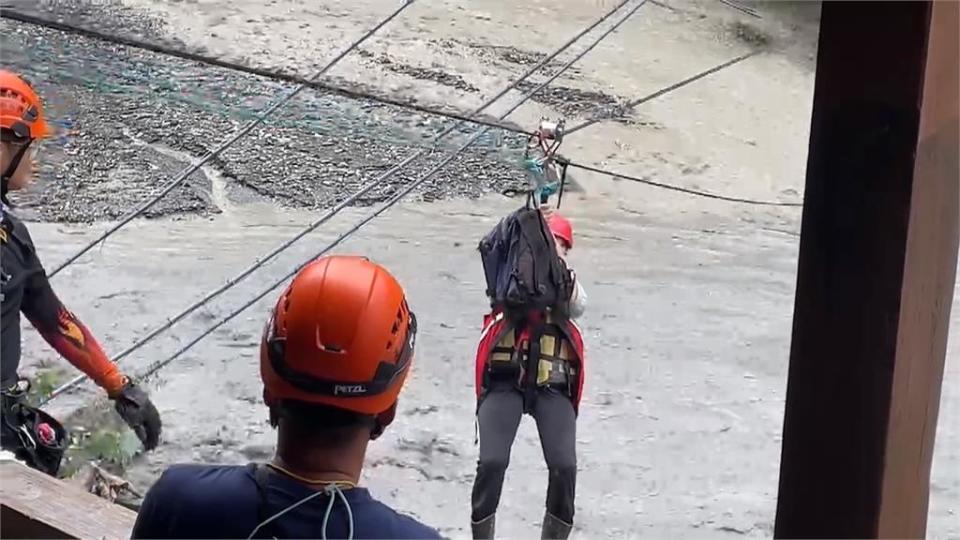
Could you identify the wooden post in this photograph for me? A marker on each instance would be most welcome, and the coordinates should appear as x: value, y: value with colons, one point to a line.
x: 878, y: 259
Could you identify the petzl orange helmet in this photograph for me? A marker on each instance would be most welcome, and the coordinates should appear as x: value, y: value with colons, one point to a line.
x: 20, y: 109
x: 341, y: 335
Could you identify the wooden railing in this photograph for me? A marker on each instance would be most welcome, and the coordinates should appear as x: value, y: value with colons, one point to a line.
x: 34, y: 505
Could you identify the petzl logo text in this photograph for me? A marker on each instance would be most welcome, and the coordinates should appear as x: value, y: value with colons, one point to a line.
x: 350, y: 389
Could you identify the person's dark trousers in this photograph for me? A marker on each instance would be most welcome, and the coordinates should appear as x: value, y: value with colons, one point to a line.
x: 498, y: 418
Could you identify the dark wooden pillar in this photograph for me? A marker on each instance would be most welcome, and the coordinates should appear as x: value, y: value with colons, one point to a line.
x: 878, y: 258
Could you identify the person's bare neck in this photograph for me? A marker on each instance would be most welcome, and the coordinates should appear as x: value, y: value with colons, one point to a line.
x: 327, y: 464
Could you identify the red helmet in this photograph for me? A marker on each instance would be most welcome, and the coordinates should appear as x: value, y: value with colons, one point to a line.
x: 561, y: 228
x: 340, y: 335
x: 20, y: 109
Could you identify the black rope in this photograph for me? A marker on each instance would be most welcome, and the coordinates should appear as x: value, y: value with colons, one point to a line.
x: 226, y: 144
x: 236, y: 279
x: 631, y: 104
x: 677, y: 188
x: 391, y: 202
x: 415, y: 184
x: 626, y: 107
x: 263, y: 260
x: 741, y: 8
x: 259, y: 72
x: 462, y: 117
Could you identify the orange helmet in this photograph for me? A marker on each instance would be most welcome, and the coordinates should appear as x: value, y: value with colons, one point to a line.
x: 561, y: 228
x: 20, y: 109
x: 340, y: 335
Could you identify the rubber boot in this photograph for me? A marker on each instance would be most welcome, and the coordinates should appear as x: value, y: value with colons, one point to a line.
x: 554, y: 528
x: 483, y: 529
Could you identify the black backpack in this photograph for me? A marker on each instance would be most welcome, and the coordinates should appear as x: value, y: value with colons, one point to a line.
x: 521, y: 265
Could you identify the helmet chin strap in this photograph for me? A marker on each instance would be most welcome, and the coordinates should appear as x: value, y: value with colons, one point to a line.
x: 11, y: 169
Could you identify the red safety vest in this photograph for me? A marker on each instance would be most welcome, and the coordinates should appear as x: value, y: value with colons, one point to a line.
x: 494, y: 324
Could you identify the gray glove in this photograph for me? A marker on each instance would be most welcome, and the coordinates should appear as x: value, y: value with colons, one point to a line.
x: 139, y: 413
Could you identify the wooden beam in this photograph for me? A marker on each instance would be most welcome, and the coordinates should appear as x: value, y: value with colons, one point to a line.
x: 878, y: 256
x: 928, y: 282
x: 35, y: 505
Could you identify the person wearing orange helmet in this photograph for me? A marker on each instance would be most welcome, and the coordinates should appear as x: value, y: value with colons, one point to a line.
x: 562, y: 231
x: 334, y: 356
x: 31, y: 434
x: 507, y: 388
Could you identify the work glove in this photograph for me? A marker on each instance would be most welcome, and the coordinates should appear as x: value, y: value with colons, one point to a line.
x: 139, y: 413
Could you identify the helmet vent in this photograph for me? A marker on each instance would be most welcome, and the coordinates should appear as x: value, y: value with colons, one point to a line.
x: 397, y: 321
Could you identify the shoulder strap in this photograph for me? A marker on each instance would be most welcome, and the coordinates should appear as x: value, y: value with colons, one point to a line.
x: 261, y: 477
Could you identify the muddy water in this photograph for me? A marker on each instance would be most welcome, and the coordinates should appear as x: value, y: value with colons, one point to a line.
x: 687, y: 332
x: 688, y: 325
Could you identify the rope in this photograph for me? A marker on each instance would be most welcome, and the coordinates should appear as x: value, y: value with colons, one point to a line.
x: 308, y: 120
x: 654, y: 95
x: 631, y: 104
x: 680, y: 189
x: 326, y: 217
x: 332, y: 491
x: 461, y: 117
x: 741, y: 8
x: 391, y: 202
x: 235, y: 280
x: 260, y: 72
x: 226, y: 144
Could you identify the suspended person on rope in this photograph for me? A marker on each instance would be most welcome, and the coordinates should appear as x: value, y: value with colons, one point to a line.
x: 333, y: 359
x: 30, y: 434
x: 529, y: 360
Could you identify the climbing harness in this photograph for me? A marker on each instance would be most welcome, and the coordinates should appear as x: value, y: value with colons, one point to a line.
x: 261, y: 476
x: 531, y: 355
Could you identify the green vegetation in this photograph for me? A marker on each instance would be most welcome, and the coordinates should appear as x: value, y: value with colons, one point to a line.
x: 99, y: 435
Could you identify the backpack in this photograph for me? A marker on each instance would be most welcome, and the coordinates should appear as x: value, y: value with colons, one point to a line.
x: 521, y: 265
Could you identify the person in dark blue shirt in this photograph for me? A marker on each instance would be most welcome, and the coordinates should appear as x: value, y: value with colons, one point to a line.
x: 200, y: 501
x: 333, y: 359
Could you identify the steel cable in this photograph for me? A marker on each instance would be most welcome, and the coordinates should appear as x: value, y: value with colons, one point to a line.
x: 226, y: 144
x: 343, y: 204
x: 59, y: 25
x: 631, y: 104
x: 391, y: 202
x: 680, y: 189
x: 234, y: 66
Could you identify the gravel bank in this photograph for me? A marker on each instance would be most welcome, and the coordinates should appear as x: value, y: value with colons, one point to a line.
x: 131, y: 120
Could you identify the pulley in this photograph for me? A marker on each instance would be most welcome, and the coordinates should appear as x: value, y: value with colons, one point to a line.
x: 544, y: 174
